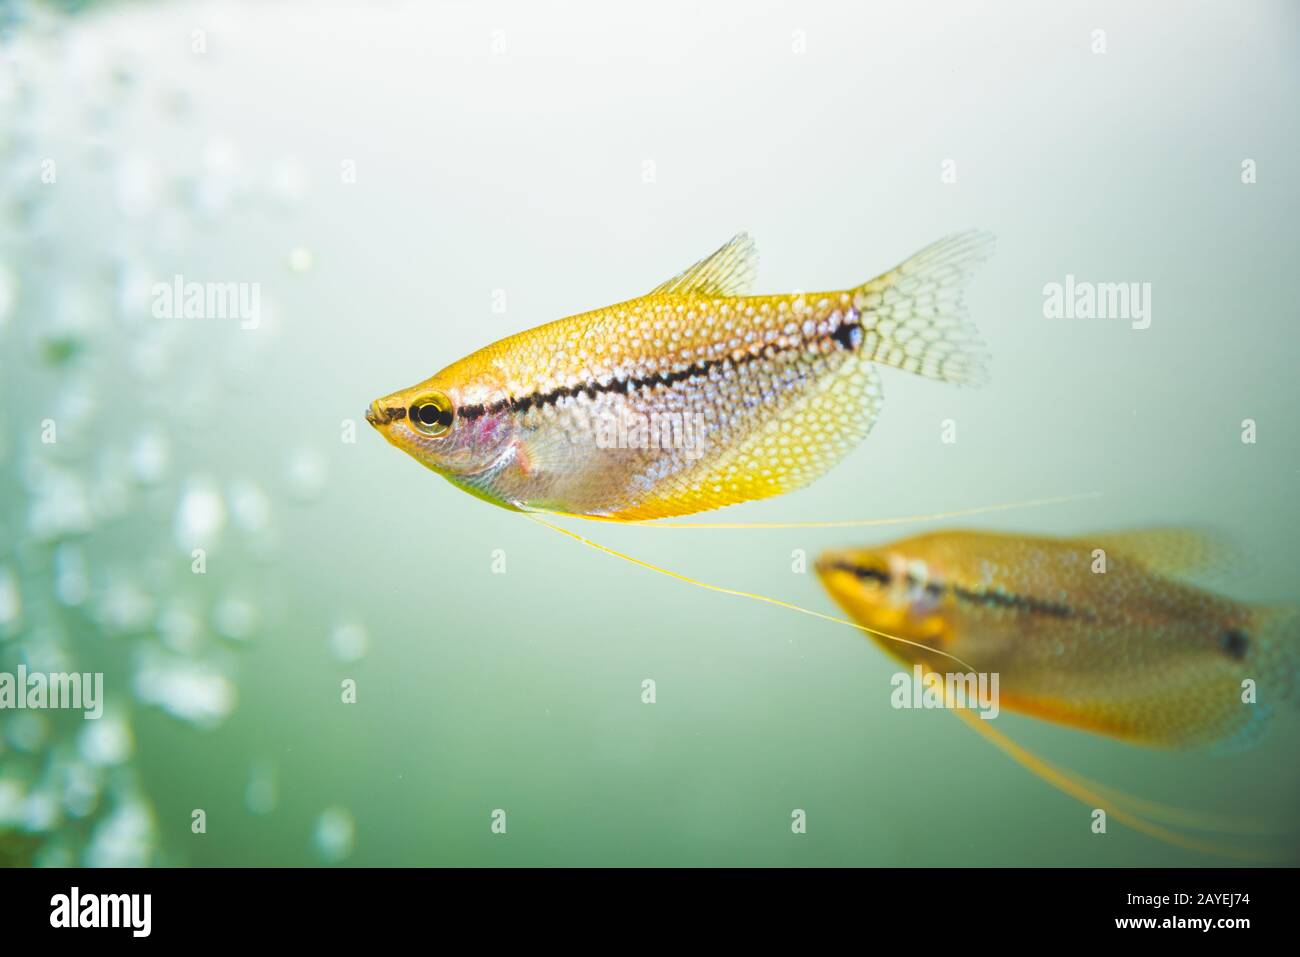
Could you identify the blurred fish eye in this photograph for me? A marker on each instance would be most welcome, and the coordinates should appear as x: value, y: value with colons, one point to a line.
x: 432, y: 414
x: 874, y: 573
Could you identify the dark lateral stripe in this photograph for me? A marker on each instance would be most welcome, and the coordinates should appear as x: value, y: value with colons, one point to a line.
x: 848, y: 336
x: 1000, y: 599
x: 863, y: 572
x: 995, y: 599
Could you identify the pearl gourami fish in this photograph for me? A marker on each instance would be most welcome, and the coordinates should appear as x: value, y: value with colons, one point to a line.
x: 1097, y: 632
x: 692, y: 397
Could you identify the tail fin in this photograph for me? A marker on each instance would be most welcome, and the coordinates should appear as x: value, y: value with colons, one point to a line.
x: 1278, y: 636
x: 1271, y: 660
x: 914, y: 315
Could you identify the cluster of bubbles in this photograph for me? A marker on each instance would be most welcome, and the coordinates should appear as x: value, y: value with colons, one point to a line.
x: 103, y: 497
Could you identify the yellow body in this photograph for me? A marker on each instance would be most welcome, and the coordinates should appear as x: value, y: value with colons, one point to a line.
x: 692, y: 397
x: 1097, y: 633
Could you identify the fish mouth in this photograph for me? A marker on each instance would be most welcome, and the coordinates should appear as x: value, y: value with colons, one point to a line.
x: 379, y: 415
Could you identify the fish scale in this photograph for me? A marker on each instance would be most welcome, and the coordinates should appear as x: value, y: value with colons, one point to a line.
x: 691, y: 397
x: 1127, y: 648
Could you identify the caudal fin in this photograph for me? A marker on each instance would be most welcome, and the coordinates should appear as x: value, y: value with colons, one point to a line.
x: 1269, y: 677
x: 914, y: 316
x: 1278, y: 635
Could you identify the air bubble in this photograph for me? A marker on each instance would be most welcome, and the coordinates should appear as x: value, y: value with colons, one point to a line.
x: 8, y: 293
x: 71, y: 585
x: 11, y: 601
x: 60, y: 506
x: 150, y: 457
x: 123, y: 839
x: 235, y: 618
x: 301, y: 259
x: 335, y: 834
x: 200, y: 516
x: 306, y: 475
x: 26, y: 730
x: 106, y: 741
x: 261, y: 795
x: 192, y: 691
x: 123, y: 607
x: 349, y: 642
x: 288, y: 182
x: 249, y: 505
x: 180, y: 629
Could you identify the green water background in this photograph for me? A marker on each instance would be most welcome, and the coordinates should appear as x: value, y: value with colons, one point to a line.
x: 523, y: 170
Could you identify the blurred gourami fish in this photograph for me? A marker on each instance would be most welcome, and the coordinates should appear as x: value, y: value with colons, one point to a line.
x: 1130, y: 651
x: 692, y: 397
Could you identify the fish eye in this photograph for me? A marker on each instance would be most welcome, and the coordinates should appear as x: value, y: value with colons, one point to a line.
x: 431, y: 414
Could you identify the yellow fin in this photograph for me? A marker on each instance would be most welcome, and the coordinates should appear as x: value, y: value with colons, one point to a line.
x: 1189, y: 818
x: 918, y: 311
x: 1112, y: 802
x: 1169, y: 550
x: 796, y: 445
x: 728, y: 272
x: 846, y: 522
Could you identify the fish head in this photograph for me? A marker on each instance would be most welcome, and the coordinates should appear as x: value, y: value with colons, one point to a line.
x: 437, y: 424
x: 891, y: 589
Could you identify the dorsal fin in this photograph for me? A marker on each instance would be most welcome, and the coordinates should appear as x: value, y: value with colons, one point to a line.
x: 728, y: 272
x: 1169, y: 550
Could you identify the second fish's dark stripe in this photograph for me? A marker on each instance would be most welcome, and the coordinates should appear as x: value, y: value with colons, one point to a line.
x: 974, y: 596
x: 1003, y: 599
x: 848, y: 336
